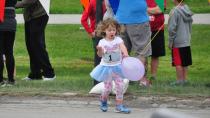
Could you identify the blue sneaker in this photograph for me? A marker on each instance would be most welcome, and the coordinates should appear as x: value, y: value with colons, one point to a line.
x: 122, y: 109
x: 104, y: 106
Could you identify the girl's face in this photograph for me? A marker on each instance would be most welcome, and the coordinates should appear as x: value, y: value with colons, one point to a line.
x: 110, y: 32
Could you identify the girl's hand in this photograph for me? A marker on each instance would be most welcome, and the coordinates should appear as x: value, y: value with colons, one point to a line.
x: 100, y: 51
x: 125, y: 55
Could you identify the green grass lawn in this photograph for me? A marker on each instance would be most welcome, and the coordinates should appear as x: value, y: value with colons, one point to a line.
x: 71, y: 54
x: 65, y: 6
x: 74, y: 7
x: 197, y: 6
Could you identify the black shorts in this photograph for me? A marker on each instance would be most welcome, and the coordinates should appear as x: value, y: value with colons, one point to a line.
x: 181, y: 56
x: 158, y: 44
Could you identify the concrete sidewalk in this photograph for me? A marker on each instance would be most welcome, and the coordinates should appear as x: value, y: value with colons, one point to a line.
x: 71, y: 106
x: 75, y: 18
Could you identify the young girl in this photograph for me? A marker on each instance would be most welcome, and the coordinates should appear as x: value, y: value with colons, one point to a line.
x: 112, y: 49
x: 157, y: 37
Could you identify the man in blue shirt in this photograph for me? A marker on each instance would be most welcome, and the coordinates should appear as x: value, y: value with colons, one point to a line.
x: 132, y: 14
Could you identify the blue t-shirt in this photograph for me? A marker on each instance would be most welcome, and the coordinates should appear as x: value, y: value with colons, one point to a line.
x: 114, y: 4
x: 132, y: 12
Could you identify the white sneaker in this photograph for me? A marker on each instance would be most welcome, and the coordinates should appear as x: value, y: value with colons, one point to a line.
x: 8, y: 84
x: 49, y: 79
x: 27, y: 79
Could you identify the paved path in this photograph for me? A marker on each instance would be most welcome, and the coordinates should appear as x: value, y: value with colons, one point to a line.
x: 39, y: 107
x: 75, y: 18
x: 64, y: 111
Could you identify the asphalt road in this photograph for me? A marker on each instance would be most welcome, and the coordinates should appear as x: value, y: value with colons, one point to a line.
x: 54, y: 108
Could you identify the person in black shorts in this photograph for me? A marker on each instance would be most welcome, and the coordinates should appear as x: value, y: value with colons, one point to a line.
x: 157, y: 37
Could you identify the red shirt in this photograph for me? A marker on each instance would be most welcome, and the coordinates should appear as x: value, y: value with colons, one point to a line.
x: 159, y: 18
x: 90, y: 13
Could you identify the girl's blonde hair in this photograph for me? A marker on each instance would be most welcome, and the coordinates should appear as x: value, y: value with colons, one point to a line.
x: 103, y: 25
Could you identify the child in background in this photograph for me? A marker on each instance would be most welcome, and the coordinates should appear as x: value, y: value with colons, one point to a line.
x: 179, y: 28
x: 158, y: 40
x: 90, y: 15
x: 112, y: 49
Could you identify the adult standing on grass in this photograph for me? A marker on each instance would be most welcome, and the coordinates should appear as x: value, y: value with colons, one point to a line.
x: 7, y: 38
x: 133, y: 15
x: 90, y: 14
x: 157, y: 37
x: 179, y: 29
x: 36, y: 19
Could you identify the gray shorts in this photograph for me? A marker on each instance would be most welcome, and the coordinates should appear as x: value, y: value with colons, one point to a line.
x: 137, y: 37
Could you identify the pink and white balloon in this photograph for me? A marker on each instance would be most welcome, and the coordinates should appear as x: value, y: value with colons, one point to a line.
x: 133, y: 69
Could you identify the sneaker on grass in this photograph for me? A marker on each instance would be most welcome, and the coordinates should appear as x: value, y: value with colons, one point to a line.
x: 26, y: 79
x: 179, y: 83
x: 2, y: 83
x: 8, y: 84
x: 49, y: 78
x: 29, y: 78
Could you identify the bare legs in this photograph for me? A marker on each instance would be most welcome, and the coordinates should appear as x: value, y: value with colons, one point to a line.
x: 181, y: 73
x: 154, y: 66
x: 143, y: 81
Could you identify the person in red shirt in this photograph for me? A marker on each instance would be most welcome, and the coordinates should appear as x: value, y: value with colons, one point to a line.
x: 90, y: 15
x: 157, y: 37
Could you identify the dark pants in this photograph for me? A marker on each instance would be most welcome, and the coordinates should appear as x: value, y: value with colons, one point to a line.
x: 97, y: 59
x: 99, y: 11
x: 35, y: 43
x: 7, y: 39
x: 99, y: 17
